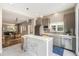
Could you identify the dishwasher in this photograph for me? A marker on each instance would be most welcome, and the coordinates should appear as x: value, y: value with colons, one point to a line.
x: 67, y: 42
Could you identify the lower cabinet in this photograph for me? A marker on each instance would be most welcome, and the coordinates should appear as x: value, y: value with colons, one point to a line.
x: 57, y: 41
x: 68, y: 44
x: 63, y: 42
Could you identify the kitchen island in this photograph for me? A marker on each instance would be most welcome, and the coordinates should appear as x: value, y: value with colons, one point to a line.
x: 39, y: 45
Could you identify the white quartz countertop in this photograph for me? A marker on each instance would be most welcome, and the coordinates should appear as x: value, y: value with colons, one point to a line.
x: 45, y: 38
x: 61, y: 35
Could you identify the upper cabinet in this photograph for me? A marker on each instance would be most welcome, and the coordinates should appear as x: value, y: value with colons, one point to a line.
x: 56, y: 18
x: 39, y: 21
x: 69, y: 22
x: 45, y: 21
x: 56, y: 22
x: 42, y: 21
x: 63, y: 21
x: 23, y: 28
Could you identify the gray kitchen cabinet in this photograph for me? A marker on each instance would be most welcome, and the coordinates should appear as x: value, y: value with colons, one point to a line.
x: 45, y: 21
x: 39, y: 21
x: 68, y: 44
x: 69, y: 22
x: 57, y: 41
x: 64, y: 41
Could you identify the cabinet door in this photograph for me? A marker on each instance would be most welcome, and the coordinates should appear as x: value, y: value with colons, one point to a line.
x: 69, y: 21
x: 62, y: 42
x: 38, y: 21
x: 68, y: 44
x: 45, y: 21
x: 57, y: 41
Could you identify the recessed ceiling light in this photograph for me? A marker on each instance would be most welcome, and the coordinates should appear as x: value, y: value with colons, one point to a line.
x: 41, y: 16
x: 56, y: 14
x: 11, y: 3
x: 27, y: 8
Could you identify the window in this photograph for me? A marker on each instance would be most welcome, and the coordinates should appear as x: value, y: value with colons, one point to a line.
x: 60, y: 28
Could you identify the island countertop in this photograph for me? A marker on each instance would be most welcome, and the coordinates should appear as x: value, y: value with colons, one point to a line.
x: 60, y: 35
x: 45, y: 38
x: 39, y: 45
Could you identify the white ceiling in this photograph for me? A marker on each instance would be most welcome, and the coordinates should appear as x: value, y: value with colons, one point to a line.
x: 10, y: 17
x: 35, y: 9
